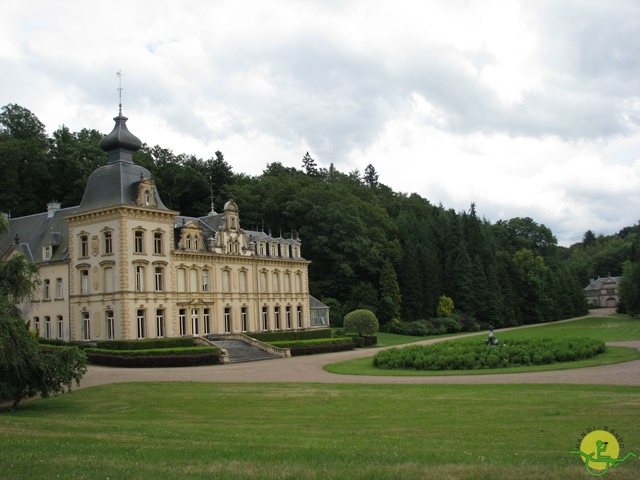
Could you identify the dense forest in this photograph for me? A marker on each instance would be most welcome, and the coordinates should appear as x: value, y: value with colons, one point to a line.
x: 370, y: 247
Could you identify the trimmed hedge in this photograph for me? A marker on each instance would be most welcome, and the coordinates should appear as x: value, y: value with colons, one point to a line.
x: 472, y: 354
x: 291, y: 335
x: 315, y: 349
x: 155, y: 351
x: 145, y: 344
x: 312, y: 343
x: 149, y: 361
x: 437, y: 326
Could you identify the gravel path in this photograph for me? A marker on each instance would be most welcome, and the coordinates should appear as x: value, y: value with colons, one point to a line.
x: 309, y: 369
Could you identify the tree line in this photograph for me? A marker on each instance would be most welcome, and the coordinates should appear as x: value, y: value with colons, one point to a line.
x: 371, y: 247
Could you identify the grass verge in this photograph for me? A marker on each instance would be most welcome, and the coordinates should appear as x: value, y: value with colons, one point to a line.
x: 287, y: 431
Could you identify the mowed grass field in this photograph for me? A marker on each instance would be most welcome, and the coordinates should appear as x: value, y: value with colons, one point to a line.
x: 312, y: 431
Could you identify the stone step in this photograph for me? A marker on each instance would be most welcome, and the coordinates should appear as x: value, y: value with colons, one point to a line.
x: 240, y: 352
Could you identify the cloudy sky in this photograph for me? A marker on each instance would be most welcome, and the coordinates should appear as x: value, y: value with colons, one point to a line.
x: 527, y: 108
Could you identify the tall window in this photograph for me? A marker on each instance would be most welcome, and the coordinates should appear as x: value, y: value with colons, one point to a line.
x: 157, y: 243
x: 195, y: 321
x: 59, y: 288
x: 287, y: 283
x: 299, y: 312
x: 207, y: 321
x: 36, y: 324
x: 298, y: 283
x: 84, y: 282
x: 205, y: 280
x: 86, y: 326
x: 182, y: 319
x: 159, y: 279
x: 142, y: 323
x: 288, y: 316
x: 60, y: 327
x: 263, y: 281
x: 188, y: 242
x: 138, y: 241
x: 108, y: 242
x: 47, y: 327
x: 276, y: 316
x: 275, y: 284
x: 84, y: 245
x: 160, y: 323
x: 47, y: 251
x: 47, y: 290
x: 244, y: 314
x: 227, y: 320
x: 265, y: 319
x: 139, y: 278
x: 111, y: 325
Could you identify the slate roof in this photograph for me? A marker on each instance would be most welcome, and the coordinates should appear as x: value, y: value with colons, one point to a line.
x: 600, y: 283
x: 37, y: 231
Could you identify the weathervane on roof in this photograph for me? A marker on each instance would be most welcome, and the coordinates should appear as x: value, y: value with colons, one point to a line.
x: 119, y: 75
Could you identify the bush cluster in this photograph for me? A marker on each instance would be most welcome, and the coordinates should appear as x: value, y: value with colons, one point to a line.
x: 471, y: 355
x: 153, y: 352
x: 270, y: 337
x: 437, y: 326
x: 145, y: 344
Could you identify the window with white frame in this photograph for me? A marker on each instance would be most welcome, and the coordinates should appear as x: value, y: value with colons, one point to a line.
x: 205, y: 280
x: 226, y: 281
x: 139, y: 278
x: 299, y: 313
x: 182, y: 280
x: 287, y: 283
x: 86, y: 326
x: 160, y: 323
x: 60, y: 327
x: 263, y: 281
x: 265, y: 319
x: 138, y: 241
x: 298, y: 283
x: 141, y: 315
x: 111, y: 324
x: 287, y: 314
x: 46, y: 252
x: 59, y: 288
x: 159, y: 276
x: 227, y: 320
x: 84, y: 246
x: 36, y: 324
x: 276, y: 317
x: 108, y: 242
x: 195, y: 321
x: 207, y: 320
x: 193, y: 280
x: 84, y: 281
x: 244, y: 318
x: 108, y: 279
x: 47, y: 327
x: 47, y: 290
x: 243, y: 281
x: 275, y: 282
x: 157, y: 243
x: 182, y: 320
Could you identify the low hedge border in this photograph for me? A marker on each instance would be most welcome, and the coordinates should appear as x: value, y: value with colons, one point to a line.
x: 312, y: 343
x: 149, y: 343
x: 151, y: 361
x: 315, y: 349
x: 269, y: 337
x: 185, y: 351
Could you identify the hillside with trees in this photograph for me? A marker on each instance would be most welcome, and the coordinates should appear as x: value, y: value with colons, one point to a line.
x: 370, y: 247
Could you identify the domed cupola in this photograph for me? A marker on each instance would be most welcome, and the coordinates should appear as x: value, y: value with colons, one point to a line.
x: 120, y: 181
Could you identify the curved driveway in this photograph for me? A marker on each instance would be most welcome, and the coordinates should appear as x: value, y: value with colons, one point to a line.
x: 309, y: 369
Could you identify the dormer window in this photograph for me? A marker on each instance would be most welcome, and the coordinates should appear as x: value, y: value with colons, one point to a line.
x: 47, y: 252
x: 147, y: 198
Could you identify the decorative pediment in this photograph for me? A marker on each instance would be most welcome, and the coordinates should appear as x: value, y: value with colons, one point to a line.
x: 145, y: 195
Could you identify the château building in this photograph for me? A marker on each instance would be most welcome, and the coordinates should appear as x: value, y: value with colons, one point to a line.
x: 603, y: 292
x: 121, y: 265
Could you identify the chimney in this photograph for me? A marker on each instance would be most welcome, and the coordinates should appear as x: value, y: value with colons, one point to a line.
x: 52, y: 207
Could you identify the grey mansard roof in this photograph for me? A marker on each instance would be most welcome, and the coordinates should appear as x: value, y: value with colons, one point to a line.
x: 116, y: 182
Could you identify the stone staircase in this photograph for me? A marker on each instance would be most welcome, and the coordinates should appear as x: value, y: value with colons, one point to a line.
x: 241, y: 352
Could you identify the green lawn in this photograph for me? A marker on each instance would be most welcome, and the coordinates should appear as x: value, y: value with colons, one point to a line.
x: 311, y: 431
x: 609, y: 329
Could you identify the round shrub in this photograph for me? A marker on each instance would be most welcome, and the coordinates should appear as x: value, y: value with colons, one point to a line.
x: 362, y: 322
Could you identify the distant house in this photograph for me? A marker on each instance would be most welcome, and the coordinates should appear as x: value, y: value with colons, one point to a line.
x: 603, y: 292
